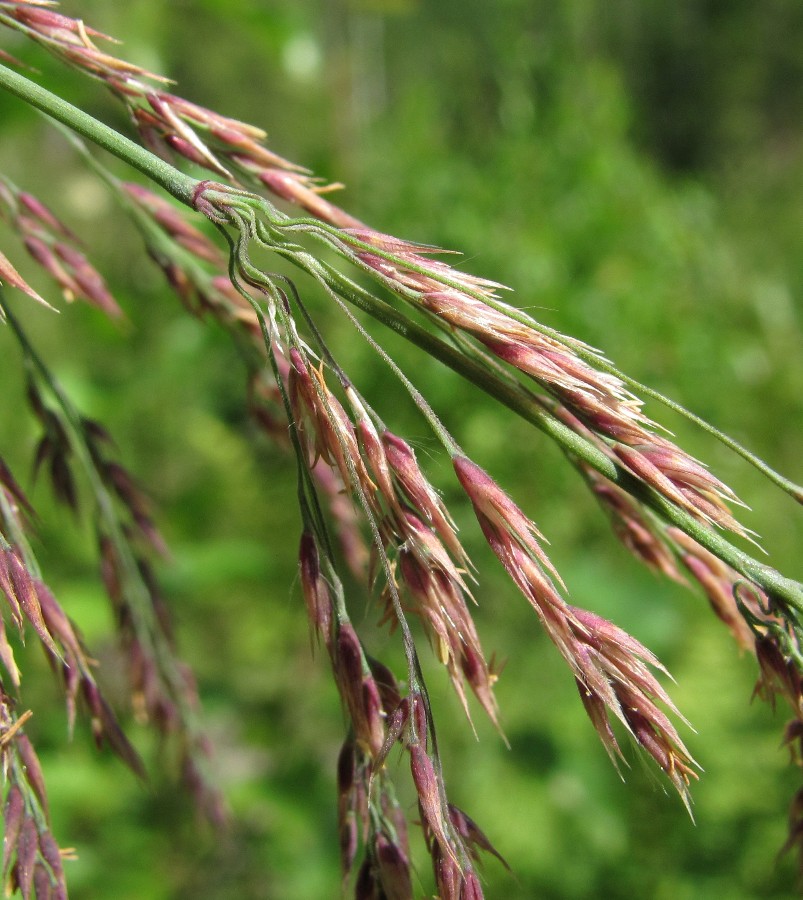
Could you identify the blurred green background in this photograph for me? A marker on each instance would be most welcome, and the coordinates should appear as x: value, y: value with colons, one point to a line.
x: 633, y: 170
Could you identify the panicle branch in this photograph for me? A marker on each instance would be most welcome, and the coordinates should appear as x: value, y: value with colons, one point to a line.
x: 612, y: 668
x: 599, y: 400
x: 163, y: 688
x: 379, y: 717
x: 170, y: 125
x: 368, y: 813
x: 413, y: 523
x: 29, y: 600
x: 32, y: 859
x: 54, y: 247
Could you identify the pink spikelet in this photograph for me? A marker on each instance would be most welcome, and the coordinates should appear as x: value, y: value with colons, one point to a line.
x: 612, y: 669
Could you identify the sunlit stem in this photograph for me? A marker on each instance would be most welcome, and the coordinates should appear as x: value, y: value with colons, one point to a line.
x: 178, y: 184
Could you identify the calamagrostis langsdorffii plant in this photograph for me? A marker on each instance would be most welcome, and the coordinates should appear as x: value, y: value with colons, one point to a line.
x: 360, y: 486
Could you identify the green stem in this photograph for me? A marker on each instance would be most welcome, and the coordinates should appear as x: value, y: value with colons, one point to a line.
x: 178, y: 184
x: 520, y: 401
x: 341, y: 240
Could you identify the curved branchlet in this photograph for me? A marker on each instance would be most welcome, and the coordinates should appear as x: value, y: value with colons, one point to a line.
x: 634, y: 457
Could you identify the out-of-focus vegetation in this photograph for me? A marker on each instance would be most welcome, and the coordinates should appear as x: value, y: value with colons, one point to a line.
x: 633, y: 171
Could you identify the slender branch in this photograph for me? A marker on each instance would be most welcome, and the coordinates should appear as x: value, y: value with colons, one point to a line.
x: 178, y: 184
x: 786, y: 484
